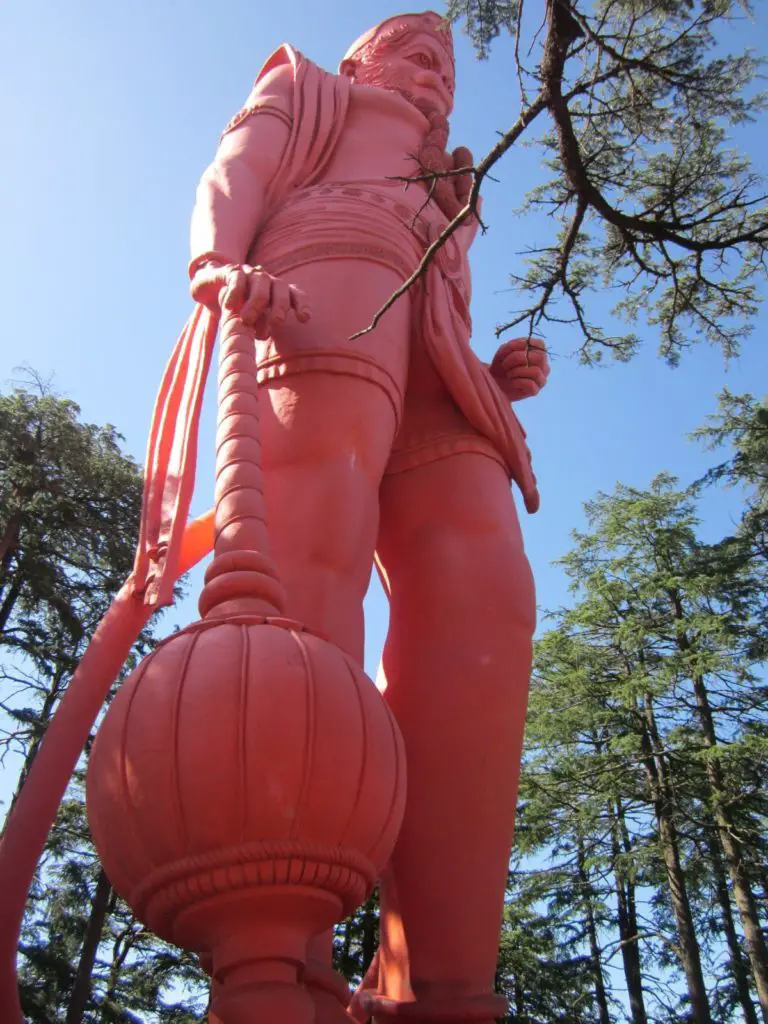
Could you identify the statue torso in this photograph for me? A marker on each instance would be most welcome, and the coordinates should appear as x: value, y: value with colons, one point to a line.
x: 357, y: 205
x: 382, y: 136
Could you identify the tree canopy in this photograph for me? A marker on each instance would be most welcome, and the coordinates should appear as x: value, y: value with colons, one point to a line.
x: 643, y: 800
x: 636, y: 106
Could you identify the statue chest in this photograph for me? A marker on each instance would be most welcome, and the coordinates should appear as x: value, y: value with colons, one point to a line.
x: 381, y: 139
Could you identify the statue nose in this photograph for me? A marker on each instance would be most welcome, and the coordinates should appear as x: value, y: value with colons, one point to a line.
x: 433, y: 81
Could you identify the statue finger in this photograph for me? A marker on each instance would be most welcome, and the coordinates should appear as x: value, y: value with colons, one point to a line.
x: 235, y: 289
x: 523, y: 389
x: 463, y: 188
x: 515, y: 345
x: 300, y: 304
x: 280, y: 302
x: 525, y: 344
x: 261, y: 328
x: 445, y: 196
x: 509, y: 360
x: 462, y: 157
x: 533, y: 350
x: 529, y: 373
x: 538, y: 357
x: 533, y: 357
x: 259, y: 288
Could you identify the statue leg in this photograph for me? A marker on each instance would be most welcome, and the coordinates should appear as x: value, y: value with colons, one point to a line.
x: 325, y: 443
x: 330, y: 411
x: 456, y: 667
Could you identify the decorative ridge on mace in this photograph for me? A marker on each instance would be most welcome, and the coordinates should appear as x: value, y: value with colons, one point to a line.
x: 242, y: 578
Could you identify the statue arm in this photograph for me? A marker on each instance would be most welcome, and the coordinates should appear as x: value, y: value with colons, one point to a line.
x: 230, y: 201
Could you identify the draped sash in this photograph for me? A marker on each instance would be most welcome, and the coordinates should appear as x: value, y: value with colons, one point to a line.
x: 319, y: 106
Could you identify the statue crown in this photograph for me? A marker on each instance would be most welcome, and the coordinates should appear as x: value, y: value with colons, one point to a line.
x: 386, y: 35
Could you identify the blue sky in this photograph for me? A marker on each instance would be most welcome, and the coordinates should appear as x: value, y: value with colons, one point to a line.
x: 110, y: 114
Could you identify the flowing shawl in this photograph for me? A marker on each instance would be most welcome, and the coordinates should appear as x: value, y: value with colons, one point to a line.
x: 446, y: 335
x: 319, y: 106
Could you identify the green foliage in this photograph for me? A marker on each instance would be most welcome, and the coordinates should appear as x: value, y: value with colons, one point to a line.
x: 355, y: 941
x: 484, y: 19
x: 648, y: 197
x: 644, y: 778
x: 70, y: 501
x: 135, y: 978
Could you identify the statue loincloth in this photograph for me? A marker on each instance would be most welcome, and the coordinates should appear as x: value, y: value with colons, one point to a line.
x: 379, y: 222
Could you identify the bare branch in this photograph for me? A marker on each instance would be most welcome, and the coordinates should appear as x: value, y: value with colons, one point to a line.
x: 480, y: 172
x: 558, y: 277
x: 553, y: 64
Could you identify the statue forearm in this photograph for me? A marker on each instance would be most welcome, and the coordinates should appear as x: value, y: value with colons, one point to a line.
x: 228, y: 210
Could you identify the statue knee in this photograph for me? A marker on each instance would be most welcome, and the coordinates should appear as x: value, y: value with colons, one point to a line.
x: 437, y: 566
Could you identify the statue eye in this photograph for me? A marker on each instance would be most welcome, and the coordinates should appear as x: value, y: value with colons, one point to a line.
x: 423, y: 59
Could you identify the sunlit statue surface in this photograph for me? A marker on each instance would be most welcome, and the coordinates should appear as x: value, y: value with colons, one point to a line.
x: 396, y: 445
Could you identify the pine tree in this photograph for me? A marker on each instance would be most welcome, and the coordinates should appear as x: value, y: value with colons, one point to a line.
x: 70, y: 499
x: 648, y: 696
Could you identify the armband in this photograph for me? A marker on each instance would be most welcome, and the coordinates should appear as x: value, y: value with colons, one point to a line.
x: 257, y: 108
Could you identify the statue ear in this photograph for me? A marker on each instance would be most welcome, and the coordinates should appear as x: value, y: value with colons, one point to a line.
x: 347, y: 68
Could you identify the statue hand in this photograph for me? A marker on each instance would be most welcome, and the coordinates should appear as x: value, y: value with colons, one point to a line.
x: 521, y: 367
x: 262, y: 301
x: 462, y: 183
x: 450, y: 192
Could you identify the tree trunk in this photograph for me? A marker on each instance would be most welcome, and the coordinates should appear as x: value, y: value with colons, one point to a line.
x: 10, y: 599
x: 732, y: 852
x: 740, y: 972
x: 347, y: 946
x: 601, y: 997
x: 627, y: 917
x: 120, y: 950
x: 9, y: 541
x: 521, y: 1017
x: 81, y: 990
x: 661, y: 791
x: 368, y: 944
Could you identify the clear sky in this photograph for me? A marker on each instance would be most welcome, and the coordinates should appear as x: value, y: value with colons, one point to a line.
x: 110, y: 114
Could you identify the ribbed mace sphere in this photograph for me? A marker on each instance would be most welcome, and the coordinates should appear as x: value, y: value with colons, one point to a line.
x: 244, y: 756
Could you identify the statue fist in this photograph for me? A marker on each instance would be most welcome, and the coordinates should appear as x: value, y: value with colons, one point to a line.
x: 261, y: 300
x: 452, y: 192
x: 521, y: 367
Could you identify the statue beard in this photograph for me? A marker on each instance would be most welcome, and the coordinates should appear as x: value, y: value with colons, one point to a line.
x: 384, y: 76
x: 432, y: 155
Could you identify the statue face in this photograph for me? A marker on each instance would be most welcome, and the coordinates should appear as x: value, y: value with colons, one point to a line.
x: 417, y: 66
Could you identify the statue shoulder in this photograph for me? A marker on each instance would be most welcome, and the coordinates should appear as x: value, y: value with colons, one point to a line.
x: 273, y: 90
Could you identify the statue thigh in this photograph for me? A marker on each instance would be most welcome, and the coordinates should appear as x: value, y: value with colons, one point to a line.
x: 327, y: 433
x: 456, y: 668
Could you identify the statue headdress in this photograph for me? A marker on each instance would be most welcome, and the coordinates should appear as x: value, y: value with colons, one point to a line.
x: 397, y: 28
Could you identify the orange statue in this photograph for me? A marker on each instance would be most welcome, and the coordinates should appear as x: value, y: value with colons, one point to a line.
x: 248, y: 782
